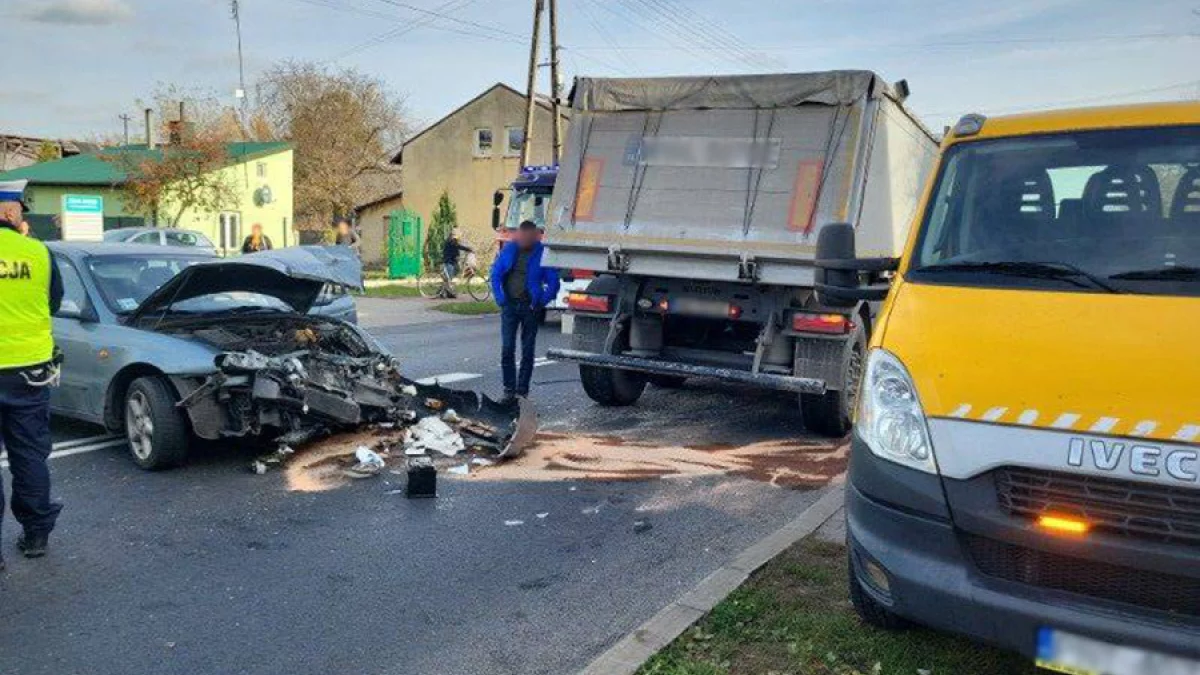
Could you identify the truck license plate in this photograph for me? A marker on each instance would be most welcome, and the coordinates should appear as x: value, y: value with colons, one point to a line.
x: 1077, y: 655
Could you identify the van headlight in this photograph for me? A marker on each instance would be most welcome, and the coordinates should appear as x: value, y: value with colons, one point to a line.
x: 890, y: 419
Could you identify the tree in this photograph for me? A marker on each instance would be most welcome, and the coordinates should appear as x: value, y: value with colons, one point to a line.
x: 166, y: 182
x: 48, y: 151
x: 341, y: 124
x: 444, y: 219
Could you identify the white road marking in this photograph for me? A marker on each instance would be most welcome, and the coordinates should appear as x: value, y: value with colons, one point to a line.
x: 79, y: 449
x: 961, y: 411
x: 542, y: 361
x: 63, y: 445
x: 449, y: 378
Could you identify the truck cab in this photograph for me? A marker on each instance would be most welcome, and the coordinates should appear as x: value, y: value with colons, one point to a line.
x: 1025, y: 455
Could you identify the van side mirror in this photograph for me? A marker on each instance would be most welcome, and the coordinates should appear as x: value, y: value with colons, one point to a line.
x: 497, y: 198
x: 838, y: 267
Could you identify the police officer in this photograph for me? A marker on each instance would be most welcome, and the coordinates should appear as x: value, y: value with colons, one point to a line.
x: 30, y: 292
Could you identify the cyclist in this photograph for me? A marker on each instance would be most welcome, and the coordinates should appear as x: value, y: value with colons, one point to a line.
x: 450, y: 252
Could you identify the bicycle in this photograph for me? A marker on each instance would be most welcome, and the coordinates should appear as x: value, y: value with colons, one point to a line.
x: 433, y: 285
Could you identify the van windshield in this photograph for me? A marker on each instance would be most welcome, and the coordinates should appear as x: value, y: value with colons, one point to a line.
x: 1113, y: 211
x: 527, y: 206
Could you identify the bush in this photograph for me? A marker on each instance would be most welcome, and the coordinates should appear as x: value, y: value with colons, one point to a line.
x: 445, y: 219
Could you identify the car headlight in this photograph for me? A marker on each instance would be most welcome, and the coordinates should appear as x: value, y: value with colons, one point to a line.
x: 890, y: 419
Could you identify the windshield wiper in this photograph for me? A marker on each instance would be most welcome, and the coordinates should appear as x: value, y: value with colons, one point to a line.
x: 1036, y: 270
x: 1177, y: 273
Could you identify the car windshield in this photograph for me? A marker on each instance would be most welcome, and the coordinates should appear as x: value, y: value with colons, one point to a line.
x: 1101, y: 211
x: 527, y: 206
x: 126, y: 281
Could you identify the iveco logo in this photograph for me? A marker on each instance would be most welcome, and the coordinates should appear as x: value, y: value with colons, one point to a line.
x: 1139, y: 459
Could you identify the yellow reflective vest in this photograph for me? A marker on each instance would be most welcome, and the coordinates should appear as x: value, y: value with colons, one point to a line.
x: 25, y: 327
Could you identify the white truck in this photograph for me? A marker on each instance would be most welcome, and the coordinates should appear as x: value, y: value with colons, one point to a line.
x: 696, y: 203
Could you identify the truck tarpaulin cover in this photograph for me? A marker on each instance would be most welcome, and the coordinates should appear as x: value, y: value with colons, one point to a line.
x: 839, y: 87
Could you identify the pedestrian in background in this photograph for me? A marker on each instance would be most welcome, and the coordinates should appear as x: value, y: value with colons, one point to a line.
x: 30, y: 292
x: 344, y: 235
x: 257, y: 241
x: 450, y: 254
x: 522, y: 288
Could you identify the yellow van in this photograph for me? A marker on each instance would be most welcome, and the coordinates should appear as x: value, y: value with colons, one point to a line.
x: 1025, y: 459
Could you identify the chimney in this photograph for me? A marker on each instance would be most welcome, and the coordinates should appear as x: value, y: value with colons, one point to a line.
x: 149, y: 128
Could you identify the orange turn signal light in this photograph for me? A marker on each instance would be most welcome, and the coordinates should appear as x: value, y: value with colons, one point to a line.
x: 1064, y: 525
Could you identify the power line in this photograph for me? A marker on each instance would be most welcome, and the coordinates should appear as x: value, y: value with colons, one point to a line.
x: 454, y: 19
x: 604, y: 33
x: 719, y: 34
x: 1078, y: 101
x: 669, y: 29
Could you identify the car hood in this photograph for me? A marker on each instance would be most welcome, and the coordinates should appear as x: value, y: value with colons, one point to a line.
x: 294, y: 275
x: 1123, y: 365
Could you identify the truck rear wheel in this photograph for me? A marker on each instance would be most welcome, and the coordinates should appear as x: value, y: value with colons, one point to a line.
x: 830, y: 414
x: 605, y: 386
x: 611, y: 387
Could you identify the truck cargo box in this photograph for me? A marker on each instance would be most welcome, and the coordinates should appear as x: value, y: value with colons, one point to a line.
x: 729, y: 178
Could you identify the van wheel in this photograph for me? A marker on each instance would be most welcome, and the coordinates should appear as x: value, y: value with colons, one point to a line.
x: 157, y: 433
x: 666, y: 381
x: 611, y: 387
x: 830, y: 414
x: 870, y: 610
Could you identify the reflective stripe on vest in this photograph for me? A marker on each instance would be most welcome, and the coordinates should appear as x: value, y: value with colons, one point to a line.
x: 25, y: 326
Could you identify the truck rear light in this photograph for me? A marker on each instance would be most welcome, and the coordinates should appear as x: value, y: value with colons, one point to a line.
x: 828, y: 324
x: 1064, y: 525
x: 583, y: 274
x: 585, y: 302
x: 735, y: 312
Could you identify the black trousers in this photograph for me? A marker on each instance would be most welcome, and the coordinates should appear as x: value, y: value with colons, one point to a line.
x: 25, y: 431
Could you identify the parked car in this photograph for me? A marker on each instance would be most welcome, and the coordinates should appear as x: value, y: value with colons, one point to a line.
x: 1025, y: 461
x: 140, y: 327
x: 160, y: 236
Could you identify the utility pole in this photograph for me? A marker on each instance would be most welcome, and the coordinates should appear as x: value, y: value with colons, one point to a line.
x: 555, y: 83
x: 241, y: 92
x: 125, y: 118
x: 531, y: 104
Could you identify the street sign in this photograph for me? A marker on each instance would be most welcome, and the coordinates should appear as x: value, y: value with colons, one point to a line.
x: 82, y: 218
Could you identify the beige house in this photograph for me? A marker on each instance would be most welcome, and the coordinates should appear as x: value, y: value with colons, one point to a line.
x: 471, y: 152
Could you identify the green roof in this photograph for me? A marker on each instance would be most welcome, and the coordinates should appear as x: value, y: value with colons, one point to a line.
x: 92, y: 169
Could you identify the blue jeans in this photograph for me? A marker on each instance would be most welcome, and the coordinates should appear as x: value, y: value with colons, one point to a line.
x: 25, y: 430
x: 517, y: 316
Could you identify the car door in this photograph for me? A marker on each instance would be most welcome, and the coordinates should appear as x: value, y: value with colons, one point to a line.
x: 75, y: 326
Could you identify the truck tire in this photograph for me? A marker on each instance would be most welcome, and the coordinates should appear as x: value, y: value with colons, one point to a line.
x: 830, y: 414
x: 605, y: 386
x: 868, y: 608
x: 158, y: 435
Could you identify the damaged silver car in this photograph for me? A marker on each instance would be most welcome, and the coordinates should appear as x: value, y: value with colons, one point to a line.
x: 226, y: 349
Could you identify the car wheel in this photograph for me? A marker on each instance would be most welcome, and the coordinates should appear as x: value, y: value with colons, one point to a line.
x: 157, y: 433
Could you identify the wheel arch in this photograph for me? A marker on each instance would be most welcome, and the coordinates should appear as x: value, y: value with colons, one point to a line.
x: 114, y: 399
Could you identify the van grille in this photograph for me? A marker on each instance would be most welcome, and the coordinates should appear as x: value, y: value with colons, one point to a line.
x: 1142, y: 588
x: 1126, y: 508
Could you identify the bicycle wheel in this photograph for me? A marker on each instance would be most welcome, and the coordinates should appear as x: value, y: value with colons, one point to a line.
x: 429, y: 285
x: 478, y: 287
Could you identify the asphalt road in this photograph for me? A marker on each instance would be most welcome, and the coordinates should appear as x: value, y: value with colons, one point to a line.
x: 211, y: 569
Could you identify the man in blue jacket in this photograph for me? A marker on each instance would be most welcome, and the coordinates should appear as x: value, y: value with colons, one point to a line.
x: 522, y: 288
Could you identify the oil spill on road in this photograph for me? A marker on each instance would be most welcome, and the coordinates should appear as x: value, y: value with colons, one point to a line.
x: 557, y: 457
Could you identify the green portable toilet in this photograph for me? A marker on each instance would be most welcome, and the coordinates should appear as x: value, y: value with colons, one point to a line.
x: 404, y: 244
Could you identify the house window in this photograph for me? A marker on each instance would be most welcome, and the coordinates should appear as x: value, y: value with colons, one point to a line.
x: 515, y: 139
x: 261, y: 169
x: 483, y: 142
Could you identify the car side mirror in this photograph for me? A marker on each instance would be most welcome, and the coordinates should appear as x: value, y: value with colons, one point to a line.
x: 838, y: 268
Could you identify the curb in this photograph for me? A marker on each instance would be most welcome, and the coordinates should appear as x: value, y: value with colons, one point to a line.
x: 633, y: 650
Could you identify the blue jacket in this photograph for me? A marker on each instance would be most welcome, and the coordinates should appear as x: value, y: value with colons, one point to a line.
x: 542, y: 282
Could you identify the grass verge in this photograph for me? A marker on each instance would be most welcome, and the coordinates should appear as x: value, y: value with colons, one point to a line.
x: 794, y: 618
x: 468, y: 308
x: 393, y: 291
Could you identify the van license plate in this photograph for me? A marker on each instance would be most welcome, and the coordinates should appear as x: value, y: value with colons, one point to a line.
x: 1077, y: 655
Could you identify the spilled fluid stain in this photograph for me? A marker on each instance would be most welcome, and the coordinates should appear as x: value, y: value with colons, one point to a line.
x: 785, y: 463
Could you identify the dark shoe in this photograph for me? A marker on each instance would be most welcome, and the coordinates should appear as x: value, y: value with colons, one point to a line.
x: 33, y: 545
x: 509, y: 398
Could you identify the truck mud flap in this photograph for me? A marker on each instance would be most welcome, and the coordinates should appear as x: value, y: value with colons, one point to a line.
x: 802, y: 385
